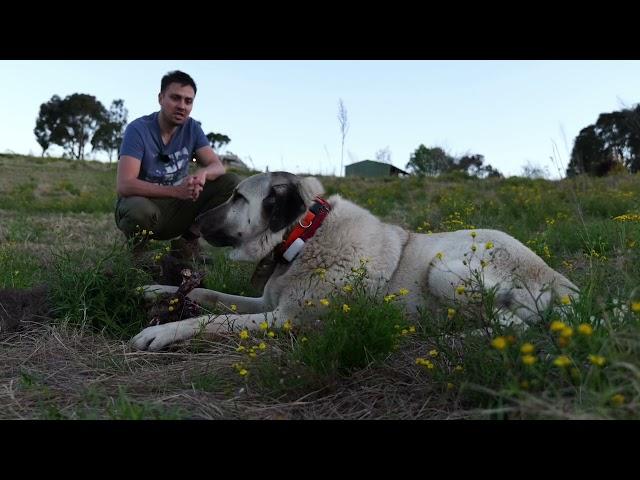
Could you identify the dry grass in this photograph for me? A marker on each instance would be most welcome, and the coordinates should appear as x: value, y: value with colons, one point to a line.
x: 50, y: 371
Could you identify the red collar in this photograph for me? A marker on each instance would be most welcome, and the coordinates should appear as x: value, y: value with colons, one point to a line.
x: 304, y: 230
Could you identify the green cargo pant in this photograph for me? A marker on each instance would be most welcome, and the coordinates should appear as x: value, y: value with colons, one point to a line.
x: 171, y: 217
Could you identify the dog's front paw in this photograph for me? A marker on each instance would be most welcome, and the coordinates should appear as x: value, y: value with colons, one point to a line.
x: 157, y: 337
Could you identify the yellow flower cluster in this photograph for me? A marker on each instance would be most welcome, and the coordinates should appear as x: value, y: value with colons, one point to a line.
x: 597, y: 360
x: 627, y: 217
x: 562, y: 361
x: 425, y: 363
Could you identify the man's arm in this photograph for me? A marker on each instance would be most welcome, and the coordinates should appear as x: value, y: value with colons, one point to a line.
x: 128, y: 184
x: 211, y: 163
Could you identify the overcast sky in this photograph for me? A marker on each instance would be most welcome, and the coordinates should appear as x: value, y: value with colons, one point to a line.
x: 283, y: 114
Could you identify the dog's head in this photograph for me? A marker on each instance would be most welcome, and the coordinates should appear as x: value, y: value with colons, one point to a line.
x: 261, y: 207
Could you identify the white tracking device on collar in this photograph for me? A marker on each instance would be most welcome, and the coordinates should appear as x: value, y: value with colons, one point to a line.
x: 293, y: 250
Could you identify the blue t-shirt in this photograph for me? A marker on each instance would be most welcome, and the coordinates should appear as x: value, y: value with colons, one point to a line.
x: 160, y: 163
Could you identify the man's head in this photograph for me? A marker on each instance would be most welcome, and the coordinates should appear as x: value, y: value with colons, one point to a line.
x: 177, y: 92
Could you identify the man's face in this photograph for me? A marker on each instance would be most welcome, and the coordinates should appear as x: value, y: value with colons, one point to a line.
x: 176, y: 103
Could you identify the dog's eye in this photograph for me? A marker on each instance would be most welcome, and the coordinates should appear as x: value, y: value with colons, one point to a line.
x: 238, y: 197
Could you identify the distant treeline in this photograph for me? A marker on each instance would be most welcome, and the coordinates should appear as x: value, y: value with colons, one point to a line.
x: 611, y: 144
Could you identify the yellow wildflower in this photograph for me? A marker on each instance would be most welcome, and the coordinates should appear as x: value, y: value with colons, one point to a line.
x: 171, y: 309
x: 404, y: 331
x: 635, y: 307
x: 499, y: 343
x: 460, y: 289
x: 488, y: 245
x: 458, y: 369
x: 157, y: 257
x: 346, y: 308
x: 425, y: 363
x: 243, y: 372
x: 347, y: 288
x: 450, y: 386
x: 287, y: 326
x: 566, y: 332
x: 308, y: 303
x: 271, y: 334
x: 450, y: 313
x: 412, y: 329
x: 556, y: 326
x: 252, y: 354
x: 562, y: 361
x: 264, y: 325
x: 240, y: 349
x: 403, y: 291
x: 324, y: 302
x: 565, y: 300
x: 234, y: 307
x: 144, y: 232
x: 262, y: 346
x: 433, y: 353
x: 528, y: 359
x: 439, y: 255
x: 585, y: 329
x: 473, y: 248
x: 618, y: 399
x: 473, y: 234
x: 303, y: 339
x: 527, y: 348
x: 389, y: 298
x: 244, y: 334
x: 597, y: 360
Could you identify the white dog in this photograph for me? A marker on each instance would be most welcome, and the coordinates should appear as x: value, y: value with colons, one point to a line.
x: 269, y: 211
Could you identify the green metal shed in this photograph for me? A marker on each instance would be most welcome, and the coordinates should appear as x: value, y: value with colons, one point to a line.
x: 370, y: 168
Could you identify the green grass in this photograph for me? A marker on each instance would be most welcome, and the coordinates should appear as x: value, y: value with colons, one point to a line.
x: 99, y: 291
x: 571, y: 224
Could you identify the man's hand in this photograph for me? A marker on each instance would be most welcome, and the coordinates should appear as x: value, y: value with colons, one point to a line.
x: 196, y: 183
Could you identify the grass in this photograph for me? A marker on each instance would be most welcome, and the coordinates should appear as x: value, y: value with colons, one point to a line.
x: 56, y: 226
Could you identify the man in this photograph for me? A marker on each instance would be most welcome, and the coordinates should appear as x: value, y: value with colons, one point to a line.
x: 155, y: 191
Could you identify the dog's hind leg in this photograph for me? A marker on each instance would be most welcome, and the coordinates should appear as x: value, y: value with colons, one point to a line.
x: 211, y: 298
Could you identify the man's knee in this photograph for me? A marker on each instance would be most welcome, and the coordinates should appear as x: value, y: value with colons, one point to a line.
x: 219, y: 190
x: 134, y: 214
x: 227, y: 182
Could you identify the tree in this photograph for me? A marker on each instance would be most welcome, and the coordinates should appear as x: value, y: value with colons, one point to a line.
x: 613, y: 140
x: 383, y: 155
x: 48, y: 123
x: 108, y: 136
x: 532, y: 171
x: 70, y: 123
x: 429, y: 161
x: 218, y: 140
x: 344, y: 127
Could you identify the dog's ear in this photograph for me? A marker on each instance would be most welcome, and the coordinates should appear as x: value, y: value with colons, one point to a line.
x: 283, y: 205
x: 310, y: 188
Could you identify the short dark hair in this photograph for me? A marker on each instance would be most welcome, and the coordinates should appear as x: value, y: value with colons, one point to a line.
x: 177, y: 76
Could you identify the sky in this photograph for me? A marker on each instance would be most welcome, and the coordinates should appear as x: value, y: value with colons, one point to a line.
x: 283, y: 114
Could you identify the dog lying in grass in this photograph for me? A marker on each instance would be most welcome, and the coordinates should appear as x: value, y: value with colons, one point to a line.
x: 310, y: 245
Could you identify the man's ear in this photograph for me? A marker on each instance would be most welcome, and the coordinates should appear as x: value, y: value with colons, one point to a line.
x: 282, y: 206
